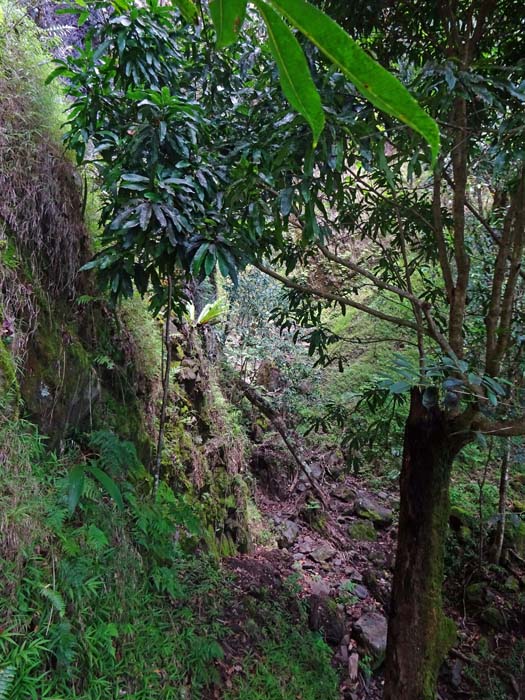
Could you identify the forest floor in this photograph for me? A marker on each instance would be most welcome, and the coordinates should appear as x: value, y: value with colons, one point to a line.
x: 339, y: 562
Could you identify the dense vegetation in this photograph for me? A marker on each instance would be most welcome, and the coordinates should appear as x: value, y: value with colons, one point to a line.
x: 261, y: 327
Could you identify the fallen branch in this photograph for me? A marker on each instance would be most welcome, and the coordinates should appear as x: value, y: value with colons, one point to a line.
x: 275, y: 419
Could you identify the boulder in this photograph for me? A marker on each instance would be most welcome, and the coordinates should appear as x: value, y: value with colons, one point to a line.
x: 345, y: 493
x: 456, y: 672
x: 361, y: 592
x: 494, y: 618
x: 288, y: 533
x: 459, y: 518
x: 371, y: 510
x: 320, y: 588
x: 323, y: 553
x: 362, y: 530
x: 326, y: 617
x: 353, y: 666
x: 475, y: 593
x: 515, y: 537
x: 370, y: 631
x: 512, y: 584
x: 378, y: 558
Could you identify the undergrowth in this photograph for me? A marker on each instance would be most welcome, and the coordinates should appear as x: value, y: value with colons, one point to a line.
x: 295, y: 666
x: 100, y: 602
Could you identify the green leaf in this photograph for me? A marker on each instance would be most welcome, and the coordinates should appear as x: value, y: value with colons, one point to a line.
x: 452, y: 383
x: 228, y: 17
x: 108, y: 483
x: 7, y: 677
x: 212, y: 312
x: 198, y: 258
x: 370, y: 78
x: 494, y: 386
x: 76, y: 487
x: 55, y: 599
x: 134, y: 177
x: 60, y: 70
x: 399, y: 387
x: 188, y: 10
x: 296, y: 81
x: 286, y: 200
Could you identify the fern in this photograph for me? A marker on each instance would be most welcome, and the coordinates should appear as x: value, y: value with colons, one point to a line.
x: 55, y: 599
x: 56, y: 519
x: 63, y: 643
x: 7, y: 676
x: 166, y: 581
x: 201, y: 653
x: 115, y: 455
x: 96, y: 538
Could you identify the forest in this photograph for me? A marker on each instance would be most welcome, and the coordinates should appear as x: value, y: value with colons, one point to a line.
x: 262, y: 350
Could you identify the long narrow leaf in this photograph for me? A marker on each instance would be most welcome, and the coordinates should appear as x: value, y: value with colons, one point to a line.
x: 188, y: 10
x: 108, y: 483
x: 296, y: 81
x: 228, y: 17
x: 370, y: 78
x: 76, y: 487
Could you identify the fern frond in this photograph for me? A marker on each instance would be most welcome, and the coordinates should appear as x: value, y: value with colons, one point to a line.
x: 7, y: 676
x: 55, y: 599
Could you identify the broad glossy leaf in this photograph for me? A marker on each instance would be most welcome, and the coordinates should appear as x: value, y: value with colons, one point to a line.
x: 296, y: 81
x: 228, y: 17
x: 188, y: 10
x: 370, y: 78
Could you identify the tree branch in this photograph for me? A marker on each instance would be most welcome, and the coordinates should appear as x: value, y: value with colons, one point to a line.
x: 440, y: 238
x: 492, y: 318
x: 459, y: 164
x: 338, y: 299
x: 275, y: 419
x: 502, y: 428
x: 482, y: 220
x: 505, y: 326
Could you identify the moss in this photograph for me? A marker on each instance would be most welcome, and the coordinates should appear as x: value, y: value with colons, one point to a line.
x: 363, y: 531
x: 494, y: 618
x: 475, y: 593
x: 459, y: 516
x: 146, y: 334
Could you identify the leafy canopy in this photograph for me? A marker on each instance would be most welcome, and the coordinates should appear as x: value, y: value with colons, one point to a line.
x: 165, y: 121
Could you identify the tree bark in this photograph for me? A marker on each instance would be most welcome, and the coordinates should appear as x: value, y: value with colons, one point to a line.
x: 419, y: 635
x: 503, y: 483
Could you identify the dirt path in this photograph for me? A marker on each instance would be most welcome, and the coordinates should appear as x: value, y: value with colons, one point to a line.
x: 340, y: 561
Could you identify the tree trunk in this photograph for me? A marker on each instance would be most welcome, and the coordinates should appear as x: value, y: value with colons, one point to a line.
x: 503, y: 483
x: 419, y: 635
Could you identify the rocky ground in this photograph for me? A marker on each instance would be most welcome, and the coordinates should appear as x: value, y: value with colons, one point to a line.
x: 340, y: 560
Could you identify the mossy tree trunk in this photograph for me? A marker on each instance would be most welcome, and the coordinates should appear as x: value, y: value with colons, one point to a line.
x: 419, y: 634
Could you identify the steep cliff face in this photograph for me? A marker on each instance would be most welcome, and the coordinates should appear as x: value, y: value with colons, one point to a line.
x: 75, y: 363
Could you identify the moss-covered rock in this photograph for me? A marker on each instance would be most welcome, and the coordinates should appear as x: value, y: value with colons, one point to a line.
x: 362, y: 530
x: 475, y: 593
x: 494, y: 618
x: 368, y: 508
